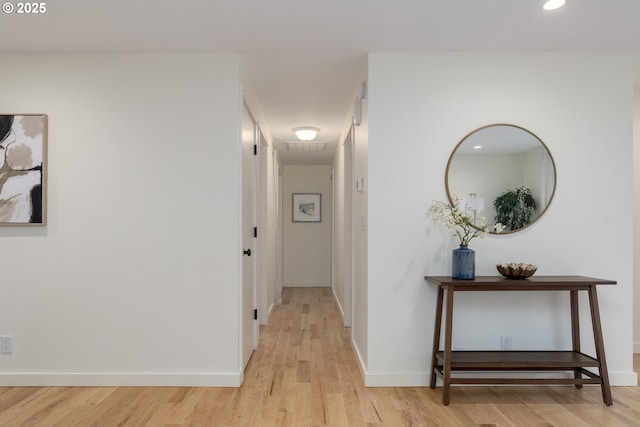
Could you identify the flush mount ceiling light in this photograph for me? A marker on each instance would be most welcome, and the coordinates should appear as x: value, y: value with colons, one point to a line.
x: 306, y: 133
x: 553, y: 4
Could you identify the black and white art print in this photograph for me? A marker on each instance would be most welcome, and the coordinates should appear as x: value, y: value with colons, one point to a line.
x: 23, y: 149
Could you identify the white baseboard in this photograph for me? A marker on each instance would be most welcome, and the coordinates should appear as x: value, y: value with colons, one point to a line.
x: 626, y: 379
x: 389, y: 379
x: 306, y: 284
x: 338, y: 302
x: 120, y: 380
x: 397, y: 379
x: 264, y: 320
x: 361, y: 365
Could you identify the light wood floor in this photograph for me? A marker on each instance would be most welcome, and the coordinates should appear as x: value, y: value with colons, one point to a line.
x: 304, y: 373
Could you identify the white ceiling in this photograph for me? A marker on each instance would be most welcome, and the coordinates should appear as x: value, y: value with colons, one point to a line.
x: 303, y: 57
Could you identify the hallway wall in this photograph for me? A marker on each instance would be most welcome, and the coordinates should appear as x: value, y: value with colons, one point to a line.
x: 134, y: 281
x: 360, y: 331
x: 636, y: 225
x: 307, y: 245
x: 340, y: 246
x: 420, y: 106
x: 270, y: 234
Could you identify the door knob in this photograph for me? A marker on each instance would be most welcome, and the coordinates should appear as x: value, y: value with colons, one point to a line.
x: 247, y: 252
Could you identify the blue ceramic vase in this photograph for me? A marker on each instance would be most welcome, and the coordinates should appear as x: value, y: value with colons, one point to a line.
x: 463, y: 265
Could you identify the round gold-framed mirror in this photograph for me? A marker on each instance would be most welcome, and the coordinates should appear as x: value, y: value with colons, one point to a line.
x: 503, y: 173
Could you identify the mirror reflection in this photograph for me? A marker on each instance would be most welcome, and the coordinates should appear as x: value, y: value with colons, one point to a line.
x: 504, y: 174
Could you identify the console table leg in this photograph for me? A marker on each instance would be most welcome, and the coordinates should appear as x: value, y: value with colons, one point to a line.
x: 446, y: 386
x: 599, y: 342
x: 436, y: 336
x: 575, y: 330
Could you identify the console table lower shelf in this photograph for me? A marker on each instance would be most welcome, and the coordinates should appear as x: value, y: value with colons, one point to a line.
x: 482, y: 361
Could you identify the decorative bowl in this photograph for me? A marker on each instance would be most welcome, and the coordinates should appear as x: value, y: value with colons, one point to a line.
x: 516, y: 270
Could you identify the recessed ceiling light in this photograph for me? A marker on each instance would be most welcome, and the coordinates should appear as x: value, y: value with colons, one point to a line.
x: 477, y: 147
x: 553, y: 4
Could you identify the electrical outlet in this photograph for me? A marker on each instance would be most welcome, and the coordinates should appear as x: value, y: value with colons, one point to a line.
x: 505, y: 342
x: 6, y: 344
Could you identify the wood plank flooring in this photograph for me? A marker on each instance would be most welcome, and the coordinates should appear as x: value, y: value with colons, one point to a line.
x: 304, y: 373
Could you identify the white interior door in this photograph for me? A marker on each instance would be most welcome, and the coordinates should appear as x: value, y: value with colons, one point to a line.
x: 249, y: 324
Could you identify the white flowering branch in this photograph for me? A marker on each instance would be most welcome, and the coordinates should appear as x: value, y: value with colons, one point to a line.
x: 455, y: 218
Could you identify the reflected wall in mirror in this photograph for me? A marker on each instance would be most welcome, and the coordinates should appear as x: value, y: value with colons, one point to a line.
x: 504, y: 166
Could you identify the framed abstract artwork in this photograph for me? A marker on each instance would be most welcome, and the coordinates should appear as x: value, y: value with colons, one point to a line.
x: 23, y: 162
x: 306, y: 207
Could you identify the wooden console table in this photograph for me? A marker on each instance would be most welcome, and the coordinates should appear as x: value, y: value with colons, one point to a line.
x: 446, y: 361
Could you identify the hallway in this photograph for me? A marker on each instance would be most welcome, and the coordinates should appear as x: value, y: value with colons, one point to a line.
x: 304, y: 373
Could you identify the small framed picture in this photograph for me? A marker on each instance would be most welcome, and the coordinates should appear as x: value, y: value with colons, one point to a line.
x: 306, y: 207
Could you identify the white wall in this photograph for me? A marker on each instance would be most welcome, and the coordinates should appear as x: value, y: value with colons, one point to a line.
x: 135, y: 278
x: 420, y: 106
x: 307, y: 245
x: 268, y: 230
x: 340, y: 248
x: 271, y: 235
x: 360, y: 329
x: 636, y: 228
x: 357, y: 249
